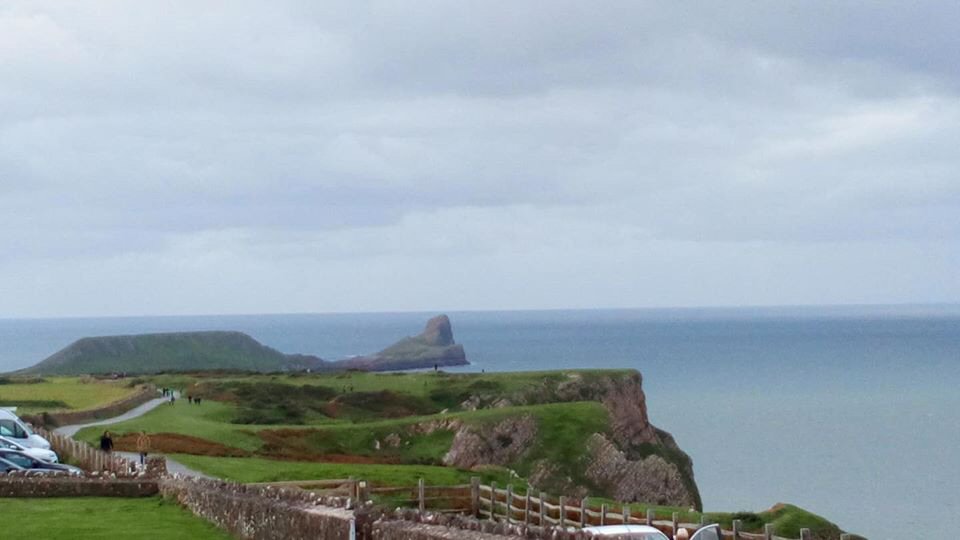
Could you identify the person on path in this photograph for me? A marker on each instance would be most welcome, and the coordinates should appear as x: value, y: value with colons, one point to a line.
x: 106, y: 442
x: 143, y: 446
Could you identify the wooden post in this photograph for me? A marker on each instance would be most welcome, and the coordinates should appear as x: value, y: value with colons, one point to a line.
x: 543, y: 509
x: 563, y: 511
x: 768, y: 532
x: 626, y: 514
x: 509, y: 503
x: 736, y: 529
x: 493, y: 501
x: 804, y: 534
x: 674, y: 519
x: 475, y: 496
x: 421, y: 500
x: 584, y: 518
x: 526, y: 508
x: 362, y: 492
x: 650, y: 515
x: 603, y: 515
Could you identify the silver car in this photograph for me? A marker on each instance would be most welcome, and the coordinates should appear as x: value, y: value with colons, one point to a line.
x: 644, y: 532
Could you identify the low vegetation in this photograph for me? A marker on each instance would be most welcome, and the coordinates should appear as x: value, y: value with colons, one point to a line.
x: 31, y: 395
x: 96, y: 518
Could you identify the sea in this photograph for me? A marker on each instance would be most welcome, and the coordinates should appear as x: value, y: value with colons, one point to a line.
x: 851, y: 412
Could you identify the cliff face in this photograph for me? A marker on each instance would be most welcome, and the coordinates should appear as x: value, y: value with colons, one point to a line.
x: 628, y: 459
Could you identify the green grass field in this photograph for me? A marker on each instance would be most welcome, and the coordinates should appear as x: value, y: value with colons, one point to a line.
x: 62, y: 393
x: 268, y: 470
x: 101, y: 518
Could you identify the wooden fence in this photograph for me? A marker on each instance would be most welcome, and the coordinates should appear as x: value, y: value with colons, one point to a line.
x: 87, y: 457
x: 534, y: 511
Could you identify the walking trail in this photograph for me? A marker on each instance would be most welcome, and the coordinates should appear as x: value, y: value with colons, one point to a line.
x: 140, y: 410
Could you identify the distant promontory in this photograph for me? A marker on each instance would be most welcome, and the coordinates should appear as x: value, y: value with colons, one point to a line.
x: 227, y: 350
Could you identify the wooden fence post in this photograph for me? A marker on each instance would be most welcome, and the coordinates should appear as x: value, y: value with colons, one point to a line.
x: 736, y: 529
x: 421, y: 500
x: 674, y: 519
x: 362, y: 492
x: 584, y: 518
x: 768, y: 532
x: 804, y: 534
x: 526, y: 508
x: 509, y: 503
x: 626, y: 514
x: 563, y: 511
x: 475, y: 496
x: 603, y: 515
x: 650, y: 515
x: 543, y: 509
x: 493, y: 500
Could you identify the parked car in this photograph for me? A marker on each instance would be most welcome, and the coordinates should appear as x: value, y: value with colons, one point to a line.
x: 6, y: 466
x: 15, y: 429
x: 29, y: 462
x: 644, y: 532
x: 39, y: 453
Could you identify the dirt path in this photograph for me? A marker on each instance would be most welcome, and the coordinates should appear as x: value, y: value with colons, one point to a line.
x: 140, y: 410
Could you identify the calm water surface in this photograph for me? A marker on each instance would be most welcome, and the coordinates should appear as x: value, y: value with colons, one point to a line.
x: 853, y: 413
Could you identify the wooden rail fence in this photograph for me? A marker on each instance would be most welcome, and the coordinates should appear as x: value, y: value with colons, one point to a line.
x: 87, y: 457
x: 533, y: 510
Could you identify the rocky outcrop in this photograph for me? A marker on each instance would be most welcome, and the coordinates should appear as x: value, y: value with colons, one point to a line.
x: 631, y: 461
x: 651, y: 479
x: 501, y: 444
x: 434, y: 347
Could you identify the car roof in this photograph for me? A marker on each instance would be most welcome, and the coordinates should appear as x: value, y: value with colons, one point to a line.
x: 622, y: 529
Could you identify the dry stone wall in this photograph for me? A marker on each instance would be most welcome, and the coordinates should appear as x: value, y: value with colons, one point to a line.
x: 261, y: 512
x: 33, y: 485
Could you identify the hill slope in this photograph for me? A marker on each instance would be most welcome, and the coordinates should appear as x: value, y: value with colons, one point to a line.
x: 222, y: 350
x: 151, y: 353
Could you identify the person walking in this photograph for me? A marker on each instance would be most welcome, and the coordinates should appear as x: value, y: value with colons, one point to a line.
x: 143, y: 446
x: 106, y: 442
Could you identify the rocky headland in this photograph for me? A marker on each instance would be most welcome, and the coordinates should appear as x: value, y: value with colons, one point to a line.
x: 236, y: 351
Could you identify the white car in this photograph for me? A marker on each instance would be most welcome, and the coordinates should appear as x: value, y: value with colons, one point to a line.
x: 644, y: 532
x: 16, y: 430
x: 44, y: 455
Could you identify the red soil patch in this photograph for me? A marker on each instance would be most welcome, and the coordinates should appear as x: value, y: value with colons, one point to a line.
x: 174, y: 443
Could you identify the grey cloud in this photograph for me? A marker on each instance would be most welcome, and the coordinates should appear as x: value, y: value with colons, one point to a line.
x: 270, y: 135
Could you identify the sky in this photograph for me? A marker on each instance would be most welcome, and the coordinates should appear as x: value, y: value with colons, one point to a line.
x: 184, y: 157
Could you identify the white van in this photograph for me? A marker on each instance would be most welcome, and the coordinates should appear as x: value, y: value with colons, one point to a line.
x: 18, y: 431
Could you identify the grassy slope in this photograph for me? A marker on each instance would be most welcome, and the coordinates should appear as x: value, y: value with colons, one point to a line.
x: 150, y: 353
x: 95, y: 518
x: 564, y: 427
x: 63, y: 393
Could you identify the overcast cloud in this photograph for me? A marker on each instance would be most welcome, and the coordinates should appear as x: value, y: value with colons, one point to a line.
x: 225, y: 157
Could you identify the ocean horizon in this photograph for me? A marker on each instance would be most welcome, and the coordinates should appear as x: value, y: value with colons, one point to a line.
x: 851, y: 412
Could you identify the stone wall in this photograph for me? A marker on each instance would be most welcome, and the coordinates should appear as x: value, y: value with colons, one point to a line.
x: 33, y: 485
x: 262, y: 512
x: 144, y: 394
